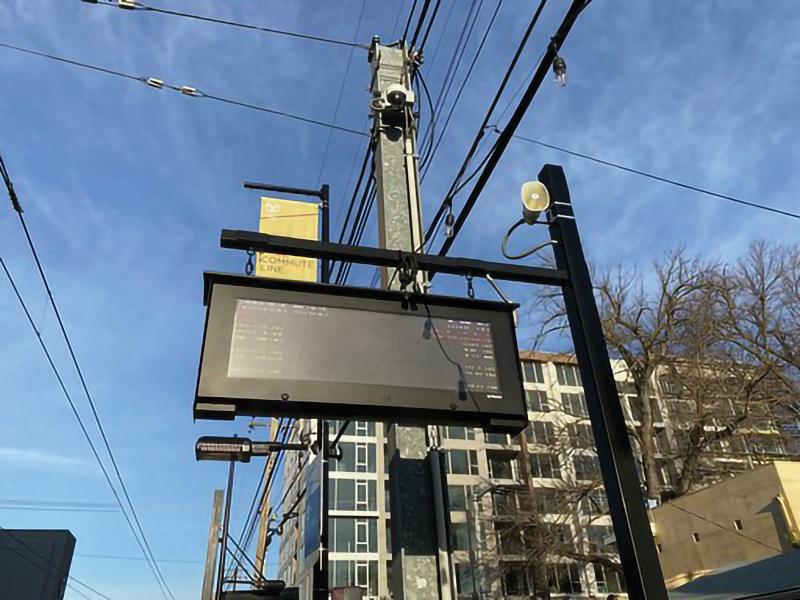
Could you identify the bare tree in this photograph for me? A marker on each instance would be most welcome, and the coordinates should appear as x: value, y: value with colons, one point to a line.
x: 724, y: 341
x: 531, y: 531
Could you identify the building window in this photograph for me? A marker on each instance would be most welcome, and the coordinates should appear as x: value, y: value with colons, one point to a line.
x: 500, y: 467
x: 537, y: 401
x: 595, y: 503
x: 362, y: 573
x: 465, y: 581
x: 532, y: 371
x: 597, y: 536
x: 568, y: 375
x: 496, y: 438
x: 545, y: 465
x: 548, y: 501
x: 459, y: 497
x: 564, y: 578
x: 737, y: 523
x: 353, y: 535
x: 504, y: 503
x: 580, y: 435
x: 609, y: 581
x: 587, y: 467
x: 509, y: 540
x: 541, y: 432
x: 460, y: 536
x: 357, y: 428
x: 459, y: 433
x: 357, y: 457
x: 574, y: 404
x: 515, y: 583
x: 462, y: 462
x: 352, y: 494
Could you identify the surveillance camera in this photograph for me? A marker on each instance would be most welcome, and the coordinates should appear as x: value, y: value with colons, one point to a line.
x: 397, y: 95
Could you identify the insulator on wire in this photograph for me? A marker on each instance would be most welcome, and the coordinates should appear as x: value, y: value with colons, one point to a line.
x: 154, y: 83
x: 188, y: 91
x: 449, y: 225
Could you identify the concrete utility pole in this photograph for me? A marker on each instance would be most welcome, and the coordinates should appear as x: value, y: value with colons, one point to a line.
x: 213, y: 542
x: 416, y: 539
x: 263, y: 525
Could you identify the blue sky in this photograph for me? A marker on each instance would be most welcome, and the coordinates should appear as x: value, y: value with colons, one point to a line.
x: 126, y: 188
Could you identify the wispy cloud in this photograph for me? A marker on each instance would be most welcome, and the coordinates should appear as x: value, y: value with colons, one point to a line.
x: 36, y: 459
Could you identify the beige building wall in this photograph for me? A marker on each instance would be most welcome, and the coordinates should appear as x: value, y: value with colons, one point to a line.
x: 735, y: 521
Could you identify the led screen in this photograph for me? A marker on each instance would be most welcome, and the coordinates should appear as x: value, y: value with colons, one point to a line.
x: 321, y: 350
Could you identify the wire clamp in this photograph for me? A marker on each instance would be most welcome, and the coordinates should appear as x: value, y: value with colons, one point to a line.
x: 250, y: 266
x: 470, y: 287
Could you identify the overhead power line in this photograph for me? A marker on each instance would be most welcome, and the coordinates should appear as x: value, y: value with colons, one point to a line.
x: 667, y: 180
x: 185, y: 90
x: 554, y: 45
x: 144, y: 544
x: 464, y: 83
x: 458, y: 183
x: 139, y: 6
x: 341, y: 93
x: 78, y: 418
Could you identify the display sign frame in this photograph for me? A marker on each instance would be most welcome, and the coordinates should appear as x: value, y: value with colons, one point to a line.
x: 220, y: 396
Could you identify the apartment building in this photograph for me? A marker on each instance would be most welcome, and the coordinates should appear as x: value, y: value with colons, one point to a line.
x: 485, y: 473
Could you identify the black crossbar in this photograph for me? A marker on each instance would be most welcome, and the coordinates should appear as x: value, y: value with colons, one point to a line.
x: 431, y: 263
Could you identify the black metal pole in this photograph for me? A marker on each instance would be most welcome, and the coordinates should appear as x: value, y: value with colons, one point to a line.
x: 324, y: 194
x: 626, y: 504
x: 225, y: 523
x: 322, y: 425
x: 321, y: 582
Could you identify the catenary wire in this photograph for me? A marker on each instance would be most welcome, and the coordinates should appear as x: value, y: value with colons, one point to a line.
x: 188, y: 91
x: 655, y: 177
x: 421, y: 21
x: 447, y: 202
x: 47, y: 563
x: 18, y: 209
x: 441, y: 36
x: 458, y: 52
x: 408, y: 22
x: 556, y: 41
x: 75, y: 412
x: 251, y: 520
x: 429, y: 27
x: 463, y: 84
x: 139, y: 6
x: 341, y: 93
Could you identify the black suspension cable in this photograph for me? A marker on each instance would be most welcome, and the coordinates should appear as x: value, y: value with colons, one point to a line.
x: 341, y: 93
x: 464, y: 84
x: 447, y: 202
x: 39, y: 267
x: 655, y: 177
x: 576, y: 7
x: 139, y: 6
x: 78, y: 418
x: 188, y: 91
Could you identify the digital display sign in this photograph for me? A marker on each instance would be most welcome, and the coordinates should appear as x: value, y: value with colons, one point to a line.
x: 310, y: 350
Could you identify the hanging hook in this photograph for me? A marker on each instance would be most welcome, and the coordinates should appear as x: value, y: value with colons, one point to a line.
x: 470, y: 287
x: 250, y: 267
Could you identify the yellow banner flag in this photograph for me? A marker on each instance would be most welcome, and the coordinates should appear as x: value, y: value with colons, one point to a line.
x: 289, y: 218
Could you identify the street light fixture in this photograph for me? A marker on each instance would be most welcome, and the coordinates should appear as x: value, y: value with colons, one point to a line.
x: 224, y: 448
x: 230, y: 449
